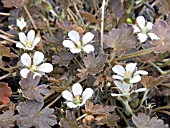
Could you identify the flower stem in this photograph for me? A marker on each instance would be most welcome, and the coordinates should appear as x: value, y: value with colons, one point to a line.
x: 131, y: 55
x: 58, y: 97
x: 102, y: 26
x: 127, y: 107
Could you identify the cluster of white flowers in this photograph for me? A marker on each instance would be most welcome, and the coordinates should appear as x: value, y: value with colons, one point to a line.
x: 77, y: 97
x: 125, y: 78
x: 143, y: 29
x: 76, y: 45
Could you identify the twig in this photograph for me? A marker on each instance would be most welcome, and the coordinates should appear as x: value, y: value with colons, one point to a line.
x: 3, y: 32
x: 160, y: 70
x: 165, y: 112
x: 68, y: 10
x: 162, y: 107
x: 58, y: 97
x: 5, y: 14
x: 26, y: 10
x: 102, y: 26
x: 5, y: 76
x: 8, y: 39
x: 79, y: 118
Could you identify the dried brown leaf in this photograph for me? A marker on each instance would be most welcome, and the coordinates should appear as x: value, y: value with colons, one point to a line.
x: 14, y: 3
x: 32, y: 114
x: 5, y: 93
x: 162, y: 30
x: 164, y: 6
x: 5, y: 51
x: 30, y: 88
x: 91, y: 18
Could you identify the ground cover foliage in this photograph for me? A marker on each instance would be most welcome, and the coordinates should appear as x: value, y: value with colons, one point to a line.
x: 84, y: 63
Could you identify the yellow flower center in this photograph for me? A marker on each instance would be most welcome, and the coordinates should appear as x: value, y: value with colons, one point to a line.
x: 77, y: 100
x: 128, y: 75
x: 28, y: 44
x: 33, y: 68
x: 79, y: 44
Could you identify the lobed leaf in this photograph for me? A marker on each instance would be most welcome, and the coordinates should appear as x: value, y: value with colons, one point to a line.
x: 5, y: 93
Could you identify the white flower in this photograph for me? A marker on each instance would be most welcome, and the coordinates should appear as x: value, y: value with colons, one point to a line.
x: 125, y: 89
x: 130, y: 74
x: 35, y: 66
x: 76, y: 45
x: 27, y: 42
x: 77, y: 98
x: 21, y: 23
x: 143, y: 29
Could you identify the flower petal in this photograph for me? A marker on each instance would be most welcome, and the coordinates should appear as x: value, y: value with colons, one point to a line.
x: 136, y: 29
x: 153, y: 36
x: 24, y: 72
x: 131, y: 67
x: 87, y: 38
x: 135, y: 79
x: 72, y: 105
x: 119, y: 70
x: 77, y: 89
x: 75, y: 50
x: 31, y: 35
x: 74, y: 36
x: 38, y: 58
x: 118, y: 77
x: 88, y: 92
x: 20, y: 45
x: 26, y: 60
x: 149, y: 25
x: 68, y: 44
x: 142, y: 37
x: 88, y: 48
x: 36, y: 41
x: 141, y: 21
x: 124, y: 94
x: 22, y: 37
x: 141, y: 90
x: 142, y: 72
x: 122, y: 86
x: 67, y: 95
x: 45, y: 67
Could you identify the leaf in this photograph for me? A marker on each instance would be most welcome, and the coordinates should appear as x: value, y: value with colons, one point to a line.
x: 63, y: 58
x: 91, y: 18
x: 150, y: 82
x: 162, y: 30
x: 116, y: 6
x: 144, y: 121
x: 164, y: 6
x: 5, y: 92
x: 14, y: 3
x: 69, y: 121
x: 121, y: 39
x: 7, y: 119
x: 5, y: 51
x: 30, y: 89
x: 97, y: 109
x: 32, y: 114
x: 94, y: 65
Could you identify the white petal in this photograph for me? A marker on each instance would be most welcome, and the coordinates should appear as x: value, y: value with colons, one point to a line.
x: 131, y: 67
x: 135, y: 79
x: 153, y: 36
x: 88, y: 48
x: 136, y: 29
x: 38, y: 58
x: 22, y: 37
x: 36, y: 41
x: 74, y: 36
x: 87, y: 38
x: 141, y: 90
x: 26, y: 60
x: 122, y: 86
x: 142, y: 72
x: 142, y: 37
x: 149, y: 25
x: 118, y: 77
x: 141, y: 21
x: 77, y: 89
x: 88, y: 92
x: 67, y: 95
x: 75, y: 50
x: 45, y: 67
x: 31, y: 35
x: 124, y: 94
x: 119, y: 70
x: 24, y: 72
x: 20, y: 45
x: 68, y: 44
x: 72, y: 105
